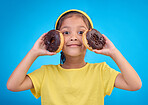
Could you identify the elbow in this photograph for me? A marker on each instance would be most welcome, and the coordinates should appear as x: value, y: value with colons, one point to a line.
x: 11, y: 87
x: 137, y: 87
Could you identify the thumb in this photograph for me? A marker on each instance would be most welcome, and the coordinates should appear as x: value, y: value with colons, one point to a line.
x: 97, y: 51
x: 45, y: 52
x: 50, y: 53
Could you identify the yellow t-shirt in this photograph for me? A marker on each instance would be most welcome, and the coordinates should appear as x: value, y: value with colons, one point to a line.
x: 84, y: 86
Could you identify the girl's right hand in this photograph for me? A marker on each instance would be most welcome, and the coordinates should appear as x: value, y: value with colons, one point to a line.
x: 39, y: 47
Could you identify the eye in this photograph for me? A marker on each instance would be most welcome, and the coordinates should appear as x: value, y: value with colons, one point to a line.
x: 66, y: 32
x: 81, y: 32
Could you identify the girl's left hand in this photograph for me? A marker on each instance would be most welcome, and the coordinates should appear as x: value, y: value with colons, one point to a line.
x: 108, y: 48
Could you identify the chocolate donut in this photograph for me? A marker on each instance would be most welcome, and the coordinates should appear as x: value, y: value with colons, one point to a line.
x: 93, y: 39
x: 54, y: 41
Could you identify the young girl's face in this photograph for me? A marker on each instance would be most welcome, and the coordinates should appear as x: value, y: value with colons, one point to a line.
x: 72, y: 29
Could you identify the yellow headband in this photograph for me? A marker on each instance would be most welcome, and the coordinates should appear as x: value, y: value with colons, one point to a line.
x: 76, y: 11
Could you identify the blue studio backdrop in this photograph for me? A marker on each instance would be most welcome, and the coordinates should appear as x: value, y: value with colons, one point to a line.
x: 124, y: 22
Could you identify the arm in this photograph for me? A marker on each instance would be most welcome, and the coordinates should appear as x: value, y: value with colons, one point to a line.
x: 128, y: 79
x: 19, y: 81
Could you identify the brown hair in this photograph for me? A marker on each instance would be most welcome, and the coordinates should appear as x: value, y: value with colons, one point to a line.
x: 65, y: 16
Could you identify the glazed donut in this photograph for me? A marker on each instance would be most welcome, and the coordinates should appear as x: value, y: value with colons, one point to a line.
x: 93, y: 39
x: 54, y: 41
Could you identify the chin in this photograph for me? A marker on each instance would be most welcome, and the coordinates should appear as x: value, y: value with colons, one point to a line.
x: 75, y: 53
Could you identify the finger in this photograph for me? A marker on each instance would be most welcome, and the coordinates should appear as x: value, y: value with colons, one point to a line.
x: 42, y: 36
x: 51, y: 53
x: 107, y: 39
x: 97, y: 51
x: 105, y: 36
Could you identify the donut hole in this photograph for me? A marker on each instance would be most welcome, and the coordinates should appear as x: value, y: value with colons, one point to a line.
x: 52, y: 40
x: 94, y: 37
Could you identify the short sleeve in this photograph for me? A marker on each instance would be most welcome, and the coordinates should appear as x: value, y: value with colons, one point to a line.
x: 109, y: 76
x: 37, y: 79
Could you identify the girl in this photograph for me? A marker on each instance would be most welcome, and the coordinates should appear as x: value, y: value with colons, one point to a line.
x: 73, y: 81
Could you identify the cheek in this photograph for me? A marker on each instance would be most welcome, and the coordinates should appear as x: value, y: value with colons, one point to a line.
x: 65, y: 40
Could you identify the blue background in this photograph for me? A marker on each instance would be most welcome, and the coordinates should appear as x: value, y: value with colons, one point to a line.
x: 124, y: 22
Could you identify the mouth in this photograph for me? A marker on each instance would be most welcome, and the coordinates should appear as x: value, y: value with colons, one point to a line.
x: 74, y: 45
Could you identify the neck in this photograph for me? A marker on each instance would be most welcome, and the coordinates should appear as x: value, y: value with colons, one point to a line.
x: 74, y: 62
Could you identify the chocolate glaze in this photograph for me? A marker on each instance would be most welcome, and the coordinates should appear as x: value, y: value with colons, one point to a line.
x: 95, y: 39
x: 52, y: 40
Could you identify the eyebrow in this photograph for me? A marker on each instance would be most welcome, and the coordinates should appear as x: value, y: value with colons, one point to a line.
x: 82, y: 27
x: 65, y: 27
x: 69, y: 27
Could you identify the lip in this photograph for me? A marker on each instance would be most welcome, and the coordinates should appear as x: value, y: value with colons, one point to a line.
x: 74, y: 45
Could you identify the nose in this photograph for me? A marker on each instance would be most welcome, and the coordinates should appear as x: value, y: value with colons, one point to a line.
x: 73, y: 37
